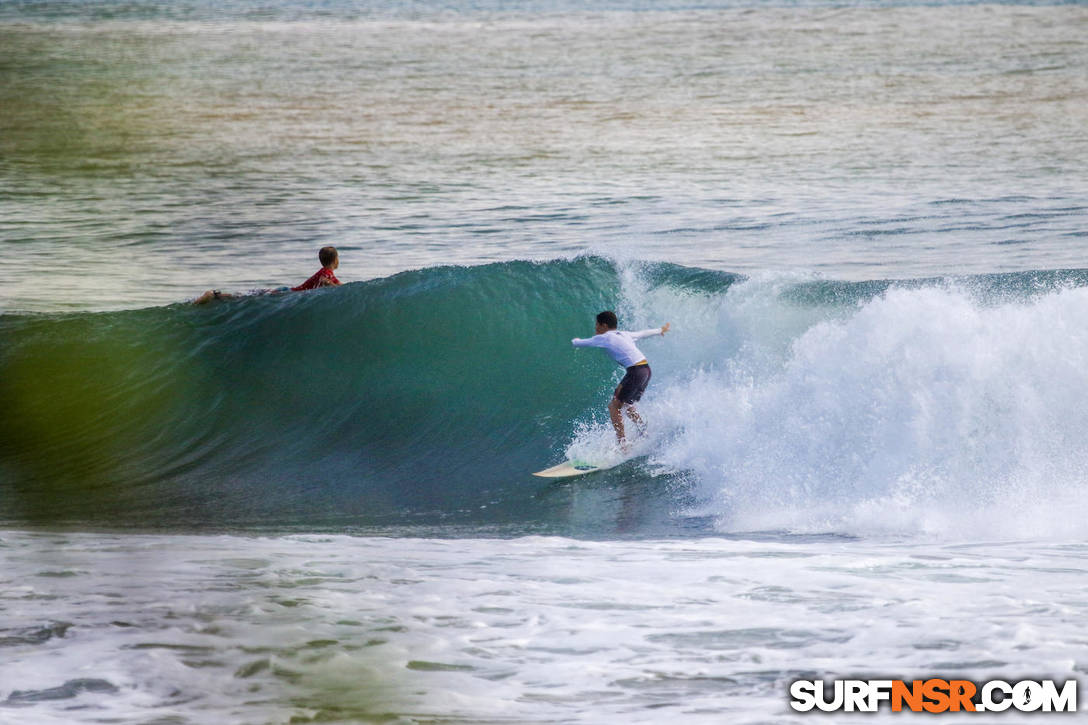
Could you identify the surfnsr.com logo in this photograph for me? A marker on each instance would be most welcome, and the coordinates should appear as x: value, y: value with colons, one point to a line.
x: 934, y: 695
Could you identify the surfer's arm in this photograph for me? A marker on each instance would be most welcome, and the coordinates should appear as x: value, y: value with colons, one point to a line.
x: 595, y: 341
x: 651, y: 332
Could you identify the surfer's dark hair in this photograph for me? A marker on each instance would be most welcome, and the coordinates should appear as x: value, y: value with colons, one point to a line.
x: 608, y: 319
x: 327, y: 256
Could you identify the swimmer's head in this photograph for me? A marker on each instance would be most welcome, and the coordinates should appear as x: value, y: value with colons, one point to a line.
x: 329, y: 257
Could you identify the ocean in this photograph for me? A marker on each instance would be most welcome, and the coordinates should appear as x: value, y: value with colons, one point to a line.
x: 865, y: 221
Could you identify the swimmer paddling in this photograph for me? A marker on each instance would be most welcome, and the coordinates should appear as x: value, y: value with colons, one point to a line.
x: 324, y: 277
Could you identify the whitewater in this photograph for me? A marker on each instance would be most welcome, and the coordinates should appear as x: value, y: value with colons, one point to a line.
x: 865, y: 454
x: 359, y: 629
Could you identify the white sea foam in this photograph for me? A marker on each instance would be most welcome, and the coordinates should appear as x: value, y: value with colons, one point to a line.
x: 921, y: 410
x: 219, y: 629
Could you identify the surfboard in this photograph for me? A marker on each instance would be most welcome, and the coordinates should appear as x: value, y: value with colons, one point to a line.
x: 570, y: 469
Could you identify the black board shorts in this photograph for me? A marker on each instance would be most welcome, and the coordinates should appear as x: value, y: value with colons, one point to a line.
x: 633, y: 384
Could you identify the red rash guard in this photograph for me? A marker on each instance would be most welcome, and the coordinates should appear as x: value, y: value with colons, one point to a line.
x: 323, y: 277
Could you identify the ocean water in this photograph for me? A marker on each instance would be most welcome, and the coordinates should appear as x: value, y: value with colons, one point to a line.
x: 865, y: 451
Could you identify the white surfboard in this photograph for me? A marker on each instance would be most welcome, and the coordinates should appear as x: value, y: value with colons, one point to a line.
x: 570, y: 469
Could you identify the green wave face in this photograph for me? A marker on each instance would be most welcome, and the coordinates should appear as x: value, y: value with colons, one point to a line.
x: 423, y: 394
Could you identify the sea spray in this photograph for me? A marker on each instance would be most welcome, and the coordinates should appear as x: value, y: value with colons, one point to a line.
x: 929, y: 409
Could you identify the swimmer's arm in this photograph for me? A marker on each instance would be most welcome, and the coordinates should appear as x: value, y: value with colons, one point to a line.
x: 212, y: 294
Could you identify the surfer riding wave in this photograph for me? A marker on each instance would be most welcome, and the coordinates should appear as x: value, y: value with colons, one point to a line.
x: 620, y: 346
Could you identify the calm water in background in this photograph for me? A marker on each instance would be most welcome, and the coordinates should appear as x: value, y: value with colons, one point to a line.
x: 844, y: 478
x: 154, y: 150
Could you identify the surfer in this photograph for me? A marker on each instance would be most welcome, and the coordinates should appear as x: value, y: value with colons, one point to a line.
x: 324, y: 277
x: 620, y: 346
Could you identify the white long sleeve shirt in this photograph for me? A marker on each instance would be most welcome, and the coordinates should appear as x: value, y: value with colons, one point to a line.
x: 619, y: 344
